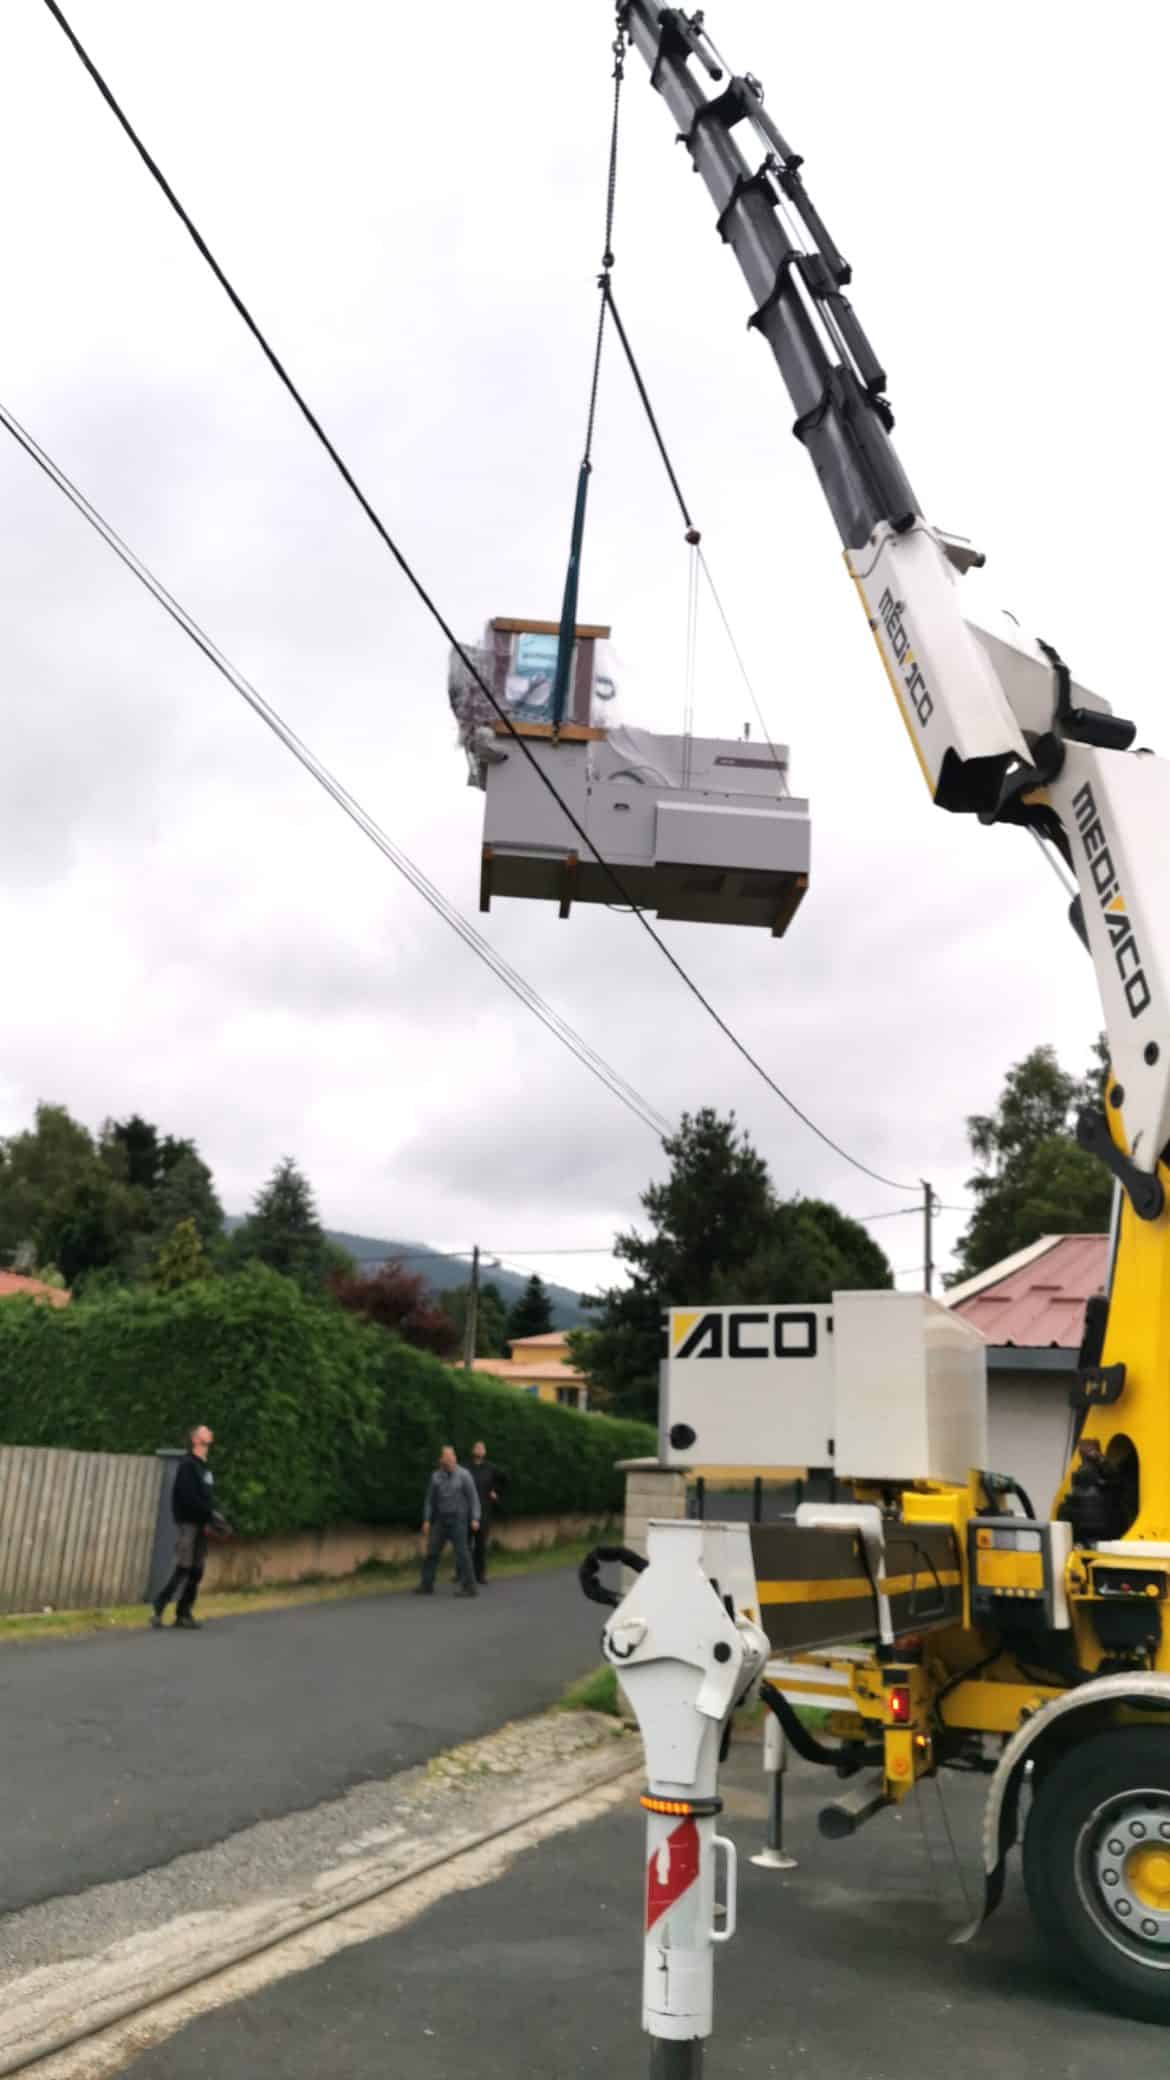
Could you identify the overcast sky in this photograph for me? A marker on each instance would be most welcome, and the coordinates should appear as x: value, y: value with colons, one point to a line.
x: 412, y: 201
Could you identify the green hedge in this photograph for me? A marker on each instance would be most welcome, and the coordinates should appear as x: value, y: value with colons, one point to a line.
x: 556, y: 1459
x: 318, y: 1417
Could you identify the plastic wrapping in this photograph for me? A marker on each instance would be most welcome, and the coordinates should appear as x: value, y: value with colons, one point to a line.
x: 701, y: 829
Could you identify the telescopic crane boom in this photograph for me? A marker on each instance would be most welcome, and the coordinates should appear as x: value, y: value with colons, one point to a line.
x: 997, y: 725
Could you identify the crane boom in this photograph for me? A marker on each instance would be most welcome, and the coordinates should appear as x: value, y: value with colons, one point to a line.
x: 998, y: 725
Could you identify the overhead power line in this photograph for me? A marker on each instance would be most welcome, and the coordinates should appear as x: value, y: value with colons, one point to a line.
x: 388, y: 541
x: 502, y: 969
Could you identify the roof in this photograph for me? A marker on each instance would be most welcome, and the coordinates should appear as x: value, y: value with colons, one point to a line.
x: 553, y: 1339
x: 11, y: 1283
x: 508, y: 1369
x: 1035, y: 1300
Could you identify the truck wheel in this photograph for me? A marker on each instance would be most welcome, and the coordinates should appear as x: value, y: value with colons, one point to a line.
x: 1097, y: 1866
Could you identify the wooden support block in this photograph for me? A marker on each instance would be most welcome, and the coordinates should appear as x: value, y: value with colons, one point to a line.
x: 789, y: 904
x: 568, y: 877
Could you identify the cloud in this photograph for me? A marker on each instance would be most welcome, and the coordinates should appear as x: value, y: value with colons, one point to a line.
x: 192, y: 930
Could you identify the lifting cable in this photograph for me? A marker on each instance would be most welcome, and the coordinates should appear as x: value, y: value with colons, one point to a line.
x: 567, y: 634
x: 432, y: 607
x: 692, y: 536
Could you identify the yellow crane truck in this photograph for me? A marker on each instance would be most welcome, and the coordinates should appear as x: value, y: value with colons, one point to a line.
x: 945, y: 1621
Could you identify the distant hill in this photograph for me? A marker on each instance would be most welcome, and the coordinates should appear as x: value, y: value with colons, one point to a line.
x: 441, y: 1272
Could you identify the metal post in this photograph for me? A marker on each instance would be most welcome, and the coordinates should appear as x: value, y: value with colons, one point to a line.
x: 676, y: 2061
x: 928, y: 1234
x: 471, y: 1325
x: 774, y: 1856
x: 683, y: 1660
x: 757, y: 1500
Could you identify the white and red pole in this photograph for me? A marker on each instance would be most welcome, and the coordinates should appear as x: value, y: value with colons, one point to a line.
x: 685, y: 1659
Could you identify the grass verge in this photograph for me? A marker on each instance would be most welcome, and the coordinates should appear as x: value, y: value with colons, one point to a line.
x: 596, y: 1692
x: 372, y: 1579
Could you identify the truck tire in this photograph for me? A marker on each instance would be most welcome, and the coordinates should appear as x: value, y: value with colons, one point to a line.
x: 1097, y: 1867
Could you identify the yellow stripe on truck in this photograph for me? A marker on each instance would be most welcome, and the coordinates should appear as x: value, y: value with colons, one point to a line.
x: 856, y: 1587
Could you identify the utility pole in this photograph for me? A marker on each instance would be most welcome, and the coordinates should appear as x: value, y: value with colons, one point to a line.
x: 928, y: 1232
x: 472, y: 1321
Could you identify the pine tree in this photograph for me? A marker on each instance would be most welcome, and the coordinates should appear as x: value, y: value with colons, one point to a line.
x: 532, y: 1313
x: 283, y: 1229
x: 719, y: 1235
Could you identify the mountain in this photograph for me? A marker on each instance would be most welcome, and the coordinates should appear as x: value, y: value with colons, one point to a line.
x: 370, y: 1251
x: 442, y: 1272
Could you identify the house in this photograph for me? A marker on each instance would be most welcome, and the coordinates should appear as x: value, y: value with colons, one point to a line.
x: 540, y: 1365
x: 1031, y: 1310
x: 12, y: 1285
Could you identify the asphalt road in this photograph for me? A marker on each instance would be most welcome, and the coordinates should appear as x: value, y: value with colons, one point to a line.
x: 121, y: 1752
x: 838, y: 1972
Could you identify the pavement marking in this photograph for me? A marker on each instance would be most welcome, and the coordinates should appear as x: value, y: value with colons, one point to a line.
x: 261, y: 1952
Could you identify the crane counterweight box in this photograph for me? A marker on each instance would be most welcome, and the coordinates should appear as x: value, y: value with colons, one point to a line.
x: 876, y: 1386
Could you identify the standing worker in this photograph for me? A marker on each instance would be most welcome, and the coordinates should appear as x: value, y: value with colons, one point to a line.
x: 450, y: 1511
x: 195, y: 1515
x: 489, y: 1484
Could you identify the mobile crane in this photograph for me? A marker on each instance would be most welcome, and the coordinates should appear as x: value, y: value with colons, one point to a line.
x: 941, y: 1618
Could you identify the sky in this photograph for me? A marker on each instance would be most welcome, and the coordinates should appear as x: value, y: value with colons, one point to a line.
x: 412, y: 202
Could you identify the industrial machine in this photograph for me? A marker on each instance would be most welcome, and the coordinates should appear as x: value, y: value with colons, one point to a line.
x: 949, y: 1624
x: 702, y: 829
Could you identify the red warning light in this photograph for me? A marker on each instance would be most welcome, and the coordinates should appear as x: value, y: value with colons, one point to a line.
x: 898, y: 1705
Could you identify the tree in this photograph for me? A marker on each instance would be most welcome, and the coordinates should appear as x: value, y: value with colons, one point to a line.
x: 90, y: 1227
x: 137, y: 1152
x: 182, y: 1258
x: 399, y: 1301
x: 101, y: 1205
x: 719, y: 1235
x: 1034, y: 1179
x: 532, y: 1313
x: 810, y: 1251
x: 283, y: 1229
x: 60, y: 1202
x: 186, y: 1192
x: 491, y: 1317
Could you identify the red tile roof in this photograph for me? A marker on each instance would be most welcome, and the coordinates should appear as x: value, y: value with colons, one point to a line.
x: 1036, y: 1300
x: 11, y: 1283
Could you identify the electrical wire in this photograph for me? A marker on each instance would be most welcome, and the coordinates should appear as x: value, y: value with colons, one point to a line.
x: 384, y: 535
x: 502, y: 969
x: 693, y: 536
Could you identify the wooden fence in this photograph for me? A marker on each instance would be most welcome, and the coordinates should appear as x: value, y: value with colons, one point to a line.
x: 76, y: 1528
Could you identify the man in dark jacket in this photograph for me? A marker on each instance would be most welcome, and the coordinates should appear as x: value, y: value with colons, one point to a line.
x: 450, y: 1512
x: 489, y: 1486
x: 195, y: 1515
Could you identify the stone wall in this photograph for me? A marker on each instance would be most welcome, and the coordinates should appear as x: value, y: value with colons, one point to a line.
x: 651, y: 1491
x: 249, y: 1563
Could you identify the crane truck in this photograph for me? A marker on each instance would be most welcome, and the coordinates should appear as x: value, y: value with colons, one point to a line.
x: 953, y: 1626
